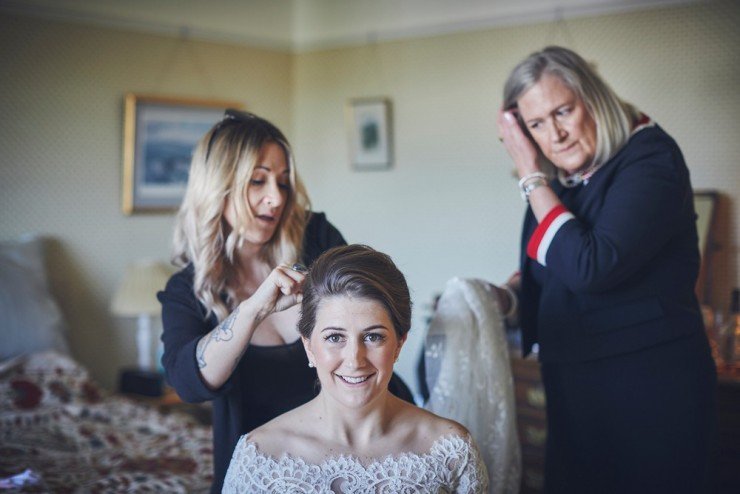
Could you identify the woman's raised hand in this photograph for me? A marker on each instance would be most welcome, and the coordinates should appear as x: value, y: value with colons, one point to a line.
x: 281, y: 290
x: 519, y: 146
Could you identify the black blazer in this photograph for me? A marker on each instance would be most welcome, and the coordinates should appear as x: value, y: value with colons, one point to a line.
x: 620, y: 260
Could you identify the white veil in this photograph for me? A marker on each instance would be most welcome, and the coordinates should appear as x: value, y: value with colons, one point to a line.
x: 469, y: 376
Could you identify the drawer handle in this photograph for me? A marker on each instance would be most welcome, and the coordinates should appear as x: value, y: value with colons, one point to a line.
x: 536, y: 397
x: 535, y: 435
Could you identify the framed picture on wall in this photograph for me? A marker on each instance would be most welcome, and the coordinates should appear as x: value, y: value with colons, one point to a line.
x: 369, y: 127
x: 159, y: 137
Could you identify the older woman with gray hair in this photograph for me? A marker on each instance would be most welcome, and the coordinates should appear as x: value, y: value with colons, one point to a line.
x: 606, y: 284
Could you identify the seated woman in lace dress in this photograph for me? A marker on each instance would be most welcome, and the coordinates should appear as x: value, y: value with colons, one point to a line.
x: 355, y: 436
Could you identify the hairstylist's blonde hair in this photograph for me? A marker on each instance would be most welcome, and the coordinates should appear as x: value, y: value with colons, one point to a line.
x: 221, y: 169
x: 614, y: 118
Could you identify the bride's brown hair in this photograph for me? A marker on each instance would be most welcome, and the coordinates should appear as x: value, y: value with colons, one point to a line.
x: 357, y: 271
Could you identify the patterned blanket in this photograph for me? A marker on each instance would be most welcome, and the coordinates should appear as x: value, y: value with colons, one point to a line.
x: 69, y: 435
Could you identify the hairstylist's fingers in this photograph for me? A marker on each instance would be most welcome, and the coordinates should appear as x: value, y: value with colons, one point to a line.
x: 290, y: 285
x: 287, y: 280
x: 288, y: 301
x: 296, y: 275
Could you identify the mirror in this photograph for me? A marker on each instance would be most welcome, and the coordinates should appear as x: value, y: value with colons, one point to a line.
x: 705, y: 204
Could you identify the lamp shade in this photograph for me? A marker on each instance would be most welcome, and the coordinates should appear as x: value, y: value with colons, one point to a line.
x: 137, y: 293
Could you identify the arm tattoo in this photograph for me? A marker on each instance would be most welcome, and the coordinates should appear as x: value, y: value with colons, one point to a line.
x: 200, y: 351
x: 222, y: 332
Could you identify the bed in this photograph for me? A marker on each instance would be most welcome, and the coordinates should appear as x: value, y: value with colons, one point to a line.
x: 59, y: 430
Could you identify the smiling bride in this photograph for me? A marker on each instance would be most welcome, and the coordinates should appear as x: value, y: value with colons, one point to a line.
x: 355, y: 436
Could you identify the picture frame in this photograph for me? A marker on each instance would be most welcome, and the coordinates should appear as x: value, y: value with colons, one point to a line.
x: 370, y: 133
x: 159, y: 136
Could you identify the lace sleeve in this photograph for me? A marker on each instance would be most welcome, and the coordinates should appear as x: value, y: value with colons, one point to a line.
x: 471, y: 472
x: 240, y: 463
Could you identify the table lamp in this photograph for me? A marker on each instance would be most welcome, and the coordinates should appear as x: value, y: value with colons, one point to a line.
x: 136, y: 296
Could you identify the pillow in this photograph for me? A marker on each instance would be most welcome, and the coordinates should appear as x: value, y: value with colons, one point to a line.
x: 31, y: 320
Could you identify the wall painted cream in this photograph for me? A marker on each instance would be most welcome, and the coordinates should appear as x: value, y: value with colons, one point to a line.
x: 61, y: 94
x: 449, y: 207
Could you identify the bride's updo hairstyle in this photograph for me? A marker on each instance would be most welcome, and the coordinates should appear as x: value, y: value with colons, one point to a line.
x: 356, y: 271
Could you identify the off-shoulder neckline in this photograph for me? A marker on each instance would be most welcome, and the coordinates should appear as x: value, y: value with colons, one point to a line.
x: 288, y: 458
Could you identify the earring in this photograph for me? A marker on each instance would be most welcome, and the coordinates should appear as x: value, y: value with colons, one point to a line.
x: 310, y: 364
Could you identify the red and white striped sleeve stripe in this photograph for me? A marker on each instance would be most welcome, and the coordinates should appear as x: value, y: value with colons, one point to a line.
x: 545, y: 232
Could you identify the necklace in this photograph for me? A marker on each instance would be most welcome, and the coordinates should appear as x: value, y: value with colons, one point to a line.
x: 577, y: 178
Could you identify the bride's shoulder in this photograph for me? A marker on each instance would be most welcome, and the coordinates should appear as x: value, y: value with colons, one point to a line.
x: 422, y: 428
x: 289, y: 432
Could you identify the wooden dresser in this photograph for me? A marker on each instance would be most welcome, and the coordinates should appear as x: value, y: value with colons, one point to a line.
x: 531, y: 422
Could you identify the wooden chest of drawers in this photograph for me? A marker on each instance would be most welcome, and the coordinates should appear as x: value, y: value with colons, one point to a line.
x: 531, y: 422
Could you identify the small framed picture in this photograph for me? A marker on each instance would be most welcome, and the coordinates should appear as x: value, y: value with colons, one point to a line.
x: 369, y: 126
x: 159, y: 137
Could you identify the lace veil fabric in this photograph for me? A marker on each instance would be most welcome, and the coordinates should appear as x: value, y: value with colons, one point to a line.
x: 469, y: 376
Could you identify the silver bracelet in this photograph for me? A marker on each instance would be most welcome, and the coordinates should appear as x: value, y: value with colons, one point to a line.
x: 530, y: 186
x: 526, y: 178
x: 530, y: 182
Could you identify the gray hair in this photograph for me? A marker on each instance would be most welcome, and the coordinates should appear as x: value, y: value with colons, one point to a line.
x: 614, y: 118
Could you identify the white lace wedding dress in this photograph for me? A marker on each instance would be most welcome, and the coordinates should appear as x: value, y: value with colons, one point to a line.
x: 453, y: 465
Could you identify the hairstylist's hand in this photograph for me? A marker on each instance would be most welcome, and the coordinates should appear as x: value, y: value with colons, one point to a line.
x: 281, y: 290
x: 519, y: 146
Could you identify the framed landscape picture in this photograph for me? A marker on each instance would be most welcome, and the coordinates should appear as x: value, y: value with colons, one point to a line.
x: 160, y: 135
x: 369, y: 127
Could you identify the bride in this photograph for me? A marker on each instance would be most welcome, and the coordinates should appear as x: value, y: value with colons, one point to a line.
x: 355, y: 436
